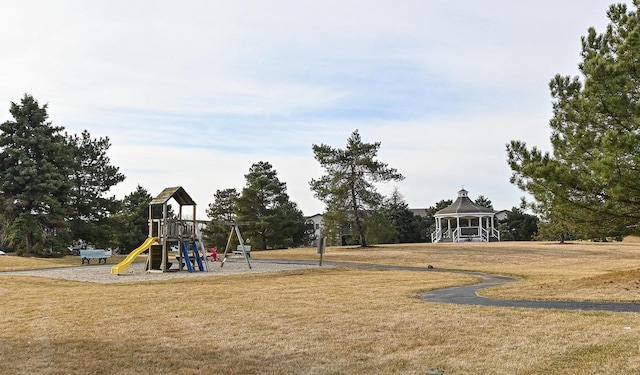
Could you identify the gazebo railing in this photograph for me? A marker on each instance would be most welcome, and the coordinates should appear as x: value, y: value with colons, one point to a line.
x: 488, y: 233
x: 495, y: 233
x: 468, y: 233
x: 436, y: 236
x: 456, y: 235
x: 439, y: 235
x: 465, y: 234
x: 446, y: 234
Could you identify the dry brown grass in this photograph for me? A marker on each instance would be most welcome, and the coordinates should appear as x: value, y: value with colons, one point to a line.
x: 572, y: 271
x: 16, y: 263
x: 324, y: 320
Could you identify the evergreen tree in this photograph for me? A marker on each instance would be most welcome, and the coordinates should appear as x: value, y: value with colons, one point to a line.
x: 221, y: 212
x: 267, y: 217
x: 484, y: 202
x: 336, y: 227
x: 380, y: 229
x: 34, y: 179
x: 423, y: 234
x: 588, y: 185
x: 349, y: 178
x: 4, y: 241
x: 518, y: 226
x: 554, y: 227
x: 407, y: 225
x: 132, y: 220
x: 430, y: 220
x: 92, y: 178
x: 294, y: 228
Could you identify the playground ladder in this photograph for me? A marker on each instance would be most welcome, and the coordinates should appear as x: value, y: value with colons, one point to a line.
x: 185, y: 257
x: 196, y: 254
x: 198, y: 257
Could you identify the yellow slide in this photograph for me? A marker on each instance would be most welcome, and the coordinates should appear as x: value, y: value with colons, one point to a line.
x: 120, y: 267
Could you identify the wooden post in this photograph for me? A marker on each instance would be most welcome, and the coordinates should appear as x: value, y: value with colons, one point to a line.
x: 322, y: 246
x: 236, y: 229
x: 244, y: 252
x: 226, y: 248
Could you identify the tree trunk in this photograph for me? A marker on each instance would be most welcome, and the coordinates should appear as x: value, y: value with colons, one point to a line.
x: 29, y: 242
x: 356, y: 214
x: 263, y: 236
x: 363, y: 240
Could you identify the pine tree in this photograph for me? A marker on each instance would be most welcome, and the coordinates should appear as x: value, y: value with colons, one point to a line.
x: 92, y: 178
x: 221, y: 212
x: 349, y: 180
x: 484, y: 202
x: 35, y: 165
x: 264, y: 211
x: 588, y: 185
x: 518, y: 226
x: 132, y: 220
x: 380, y: 229
x: 430, y: 220
x: 407, y: 225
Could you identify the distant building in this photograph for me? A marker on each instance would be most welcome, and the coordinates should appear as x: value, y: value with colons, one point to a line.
x: 314, y: 224
x: 422, y: 212
x: 501, y: 215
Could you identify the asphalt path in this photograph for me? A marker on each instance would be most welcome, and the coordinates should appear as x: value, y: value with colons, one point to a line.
x: 468, y: 295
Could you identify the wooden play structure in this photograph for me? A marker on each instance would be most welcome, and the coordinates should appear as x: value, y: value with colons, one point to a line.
x: 169, y: 232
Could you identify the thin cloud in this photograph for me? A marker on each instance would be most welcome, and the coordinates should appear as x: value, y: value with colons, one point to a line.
x: 192, y: 93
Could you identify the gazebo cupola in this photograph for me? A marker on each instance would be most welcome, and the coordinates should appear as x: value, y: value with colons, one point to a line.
x: 465, y: 221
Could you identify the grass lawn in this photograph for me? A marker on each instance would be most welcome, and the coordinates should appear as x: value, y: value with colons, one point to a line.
x: 334, y: 320
x: 16, y: 263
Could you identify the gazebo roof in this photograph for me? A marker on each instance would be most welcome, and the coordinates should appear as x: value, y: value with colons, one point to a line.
x: 177, y: 193
x: 463, y: 206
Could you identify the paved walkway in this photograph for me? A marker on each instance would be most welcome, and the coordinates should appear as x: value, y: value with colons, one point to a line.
x: 467, y: 295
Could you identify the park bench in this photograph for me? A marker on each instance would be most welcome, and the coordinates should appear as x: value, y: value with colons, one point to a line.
x: 247, y: 249
x: 101, y: 255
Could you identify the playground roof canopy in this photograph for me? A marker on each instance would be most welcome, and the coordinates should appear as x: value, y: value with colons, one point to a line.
x: 177, y: 193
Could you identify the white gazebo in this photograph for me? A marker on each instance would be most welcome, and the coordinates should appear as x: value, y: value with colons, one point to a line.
x: 465, y: 222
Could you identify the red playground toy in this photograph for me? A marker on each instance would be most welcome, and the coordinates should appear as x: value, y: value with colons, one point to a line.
x: 212, y: 254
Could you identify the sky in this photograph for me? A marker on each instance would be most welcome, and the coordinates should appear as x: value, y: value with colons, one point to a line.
x: 191, y: 93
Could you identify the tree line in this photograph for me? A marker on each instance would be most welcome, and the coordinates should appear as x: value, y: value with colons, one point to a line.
x: 54, y: 191
x: 271, y: 221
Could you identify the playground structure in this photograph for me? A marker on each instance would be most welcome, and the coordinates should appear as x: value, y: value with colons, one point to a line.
x: 169, y: 233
